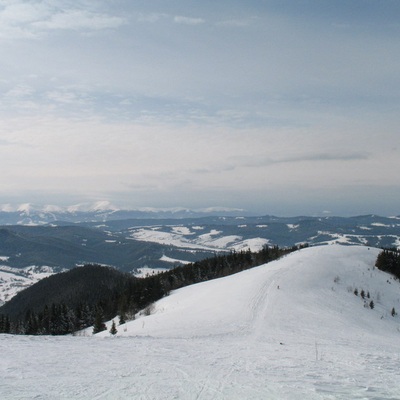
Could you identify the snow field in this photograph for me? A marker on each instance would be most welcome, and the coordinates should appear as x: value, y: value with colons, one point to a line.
x: 182, y: 237
x: 239, y: 337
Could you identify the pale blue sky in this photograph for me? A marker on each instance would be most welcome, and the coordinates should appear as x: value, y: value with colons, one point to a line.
x: 277, y: 107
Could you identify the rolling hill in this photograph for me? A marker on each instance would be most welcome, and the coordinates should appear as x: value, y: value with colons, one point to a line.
x: 289, y: 329
x: 156, y: 242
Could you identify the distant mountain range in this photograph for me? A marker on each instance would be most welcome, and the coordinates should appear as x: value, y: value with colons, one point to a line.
x: 31, y: 214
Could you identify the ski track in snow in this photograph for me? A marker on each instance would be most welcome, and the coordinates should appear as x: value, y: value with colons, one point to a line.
x: 200, y: 368
x: 306, y: 339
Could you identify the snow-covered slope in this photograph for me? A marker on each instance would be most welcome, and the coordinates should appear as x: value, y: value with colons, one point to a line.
x: 308, y: 293
x: 287, y: 330
x: 182, y: 237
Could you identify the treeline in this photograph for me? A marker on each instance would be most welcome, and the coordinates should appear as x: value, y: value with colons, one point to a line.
x: 86, y: 296
x: 389, y: 261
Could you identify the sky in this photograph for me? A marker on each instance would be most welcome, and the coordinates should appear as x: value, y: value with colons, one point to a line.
x: 276, y: 107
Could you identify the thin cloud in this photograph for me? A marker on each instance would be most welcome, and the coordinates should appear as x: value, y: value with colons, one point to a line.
x: 235, y: 23
x: 259, y: 162
x: 15, y: 13
x: 19, y: 91
x: 317, y: 157
x: 188, y: 20
x: 178, y: 19
x: 79, y: 19
x: 152, y: 17
x: 22, y: 20
x: 65, y: 98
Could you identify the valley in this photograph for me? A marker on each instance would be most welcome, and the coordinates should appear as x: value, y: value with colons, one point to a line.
x: 152, y: 242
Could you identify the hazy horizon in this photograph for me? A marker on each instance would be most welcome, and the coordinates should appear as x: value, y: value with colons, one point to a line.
x: 104, y: 205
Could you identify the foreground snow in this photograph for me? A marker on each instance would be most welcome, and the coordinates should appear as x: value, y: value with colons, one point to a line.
x: 239, y: 337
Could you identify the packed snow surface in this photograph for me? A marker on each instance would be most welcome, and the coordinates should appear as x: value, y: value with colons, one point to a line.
x: 291, y: 329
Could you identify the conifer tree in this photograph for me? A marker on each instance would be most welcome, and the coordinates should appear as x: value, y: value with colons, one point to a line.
x: 113, y: 329
x: 46, y: 320
x: 5, y: 325
x: 99, y: 325
x: 372, y: 305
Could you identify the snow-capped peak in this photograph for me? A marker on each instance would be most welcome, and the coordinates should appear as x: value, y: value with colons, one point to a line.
x: 103, y: 205
x: 25, y: 208
x: 52, y: 208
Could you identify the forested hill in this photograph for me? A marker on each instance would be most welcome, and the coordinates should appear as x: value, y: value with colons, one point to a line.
x: 69, y: 301
x: 64, y: 301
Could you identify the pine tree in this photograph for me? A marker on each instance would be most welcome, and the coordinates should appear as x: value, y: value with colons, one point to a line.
x: 54, y: 320
x: 87, y: 315
x: 362, y: 294
x: 3, y: 323
x: 31, y: 323
x: 372, y: 305
x: 99, y: 325
x: 46, y: 320
x: 393, y: 312
x: 7, y: 325
x: 113, y: 329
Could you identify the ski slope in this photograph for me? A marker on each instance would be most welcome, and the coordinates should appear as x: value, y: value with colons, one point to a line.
x: 289, y: 329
